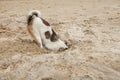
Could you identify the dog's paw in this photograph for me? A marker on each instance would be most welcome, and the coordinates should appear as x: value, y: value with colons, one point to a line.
x: 48, y: 78
x: 68, y: 44
x: 41, y: 46
x: 63, y: 49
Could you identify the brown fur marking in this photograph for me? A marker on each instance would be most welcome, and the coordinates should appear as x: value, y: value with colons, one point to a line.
x: 45, y: 22
x: 47, y: 34
x: 54, y: 36
x: 29, y: 20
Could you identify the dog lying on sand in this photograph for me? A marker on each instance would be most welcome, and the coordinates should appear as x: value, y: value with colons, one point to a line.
x: 42, y: 32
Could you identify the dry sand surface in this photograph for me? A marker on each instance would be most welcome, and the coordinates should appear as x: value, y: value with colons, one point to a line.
x: 92, y: 27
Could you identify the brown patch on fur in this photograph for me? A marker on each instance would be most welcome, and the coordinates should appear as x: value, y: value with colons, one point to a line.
x: 45, y: 22
x: 30, y: 17
x: 30, y: 30
x: 47, y: 34
x: 54, y: 36
x: 29, y: 20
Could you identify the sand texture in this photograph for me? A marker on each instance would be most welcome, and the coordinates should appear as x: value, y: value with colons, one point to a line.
x: 92, y: 27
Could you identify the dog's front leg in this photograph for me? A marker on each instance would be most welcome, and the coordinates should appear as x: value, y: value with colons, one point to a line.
x: 36, y: 36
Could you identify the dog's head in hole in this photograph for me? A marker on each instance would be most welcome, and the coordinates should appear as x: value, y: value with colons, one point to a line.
x: 43, y: 33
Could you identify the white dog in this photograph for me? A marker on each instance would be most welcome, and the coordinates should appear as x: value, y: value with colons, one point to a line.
x: 42, y: 32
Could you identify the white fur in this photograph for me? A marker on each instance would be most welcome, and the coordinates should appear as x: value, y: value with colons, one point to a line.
x: 39, y: 29
x: 55, y: 45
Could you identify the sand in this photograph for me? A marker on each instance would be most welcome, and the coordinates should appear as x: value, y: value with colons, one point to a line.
x: 92, y: 27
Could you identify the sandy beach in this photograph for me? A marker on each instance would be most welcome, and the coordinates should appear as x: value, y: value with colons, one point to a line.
x: 92, y: 28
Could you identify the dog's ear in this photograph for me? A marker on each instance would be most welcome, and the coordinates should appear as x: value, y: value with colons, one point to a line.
x: 45, y: 22
x: 54, y: 36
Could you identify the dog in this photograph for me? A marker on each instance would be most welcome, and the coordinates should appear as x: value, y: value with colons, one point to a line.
x: 42, y: 32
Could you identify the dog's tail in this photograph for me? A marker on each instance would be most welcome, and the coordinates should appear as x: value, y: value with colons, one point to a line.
x: 32, y: 14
